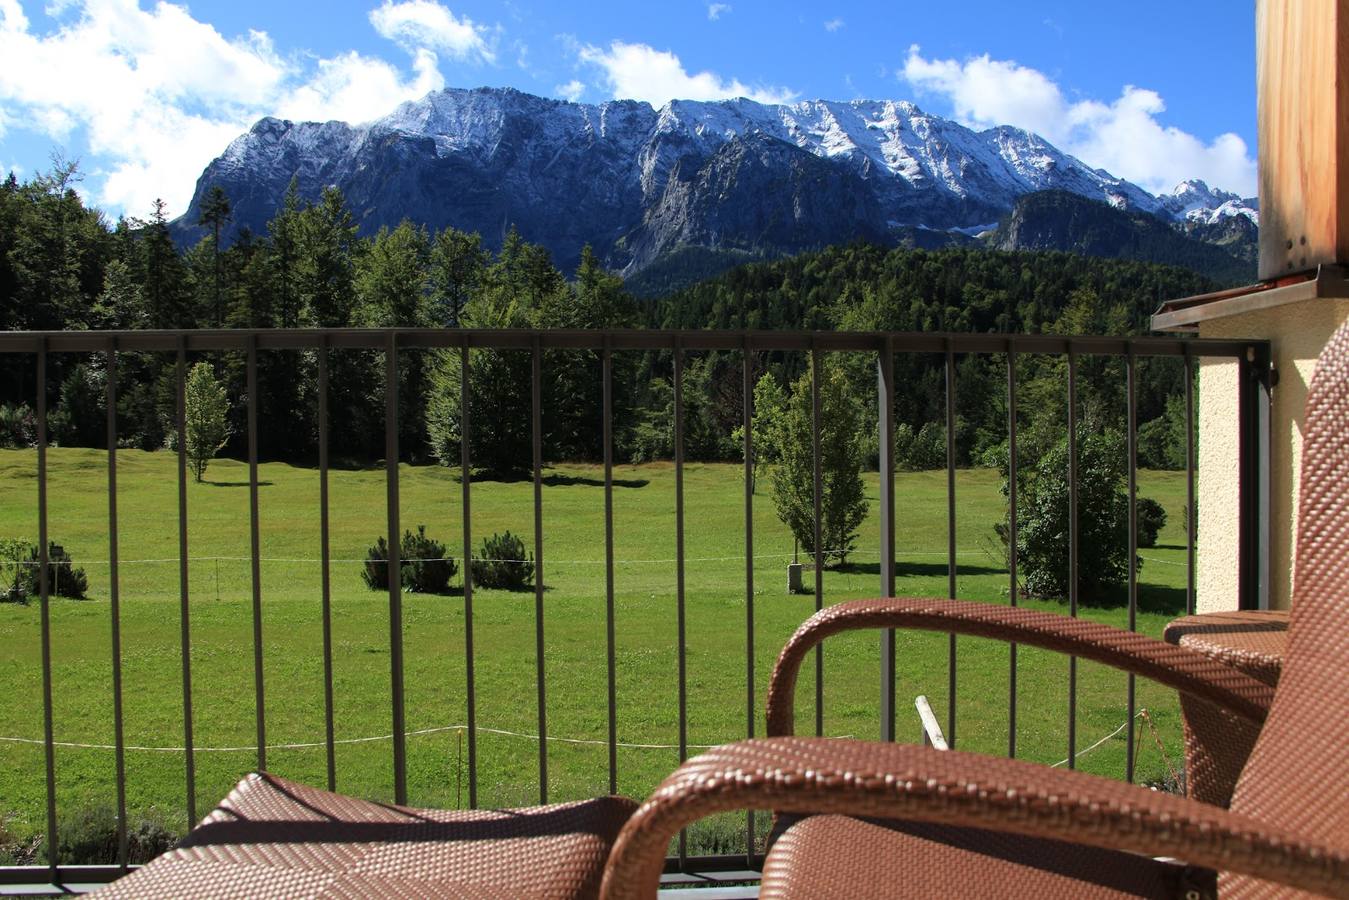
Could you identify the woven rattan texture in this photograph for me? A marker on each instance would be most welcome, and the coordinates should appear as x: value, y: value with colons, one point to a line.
x: 1299, y: 770
x: 1217, y: 743
x: 274, y: 838
x: 837, y: 856
x: 1217, y: 746
x: 1254, y: 642
x: 878, y: 780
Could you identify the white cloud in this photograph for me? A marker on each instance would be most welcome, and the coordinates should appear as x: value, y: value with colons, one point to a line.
x: 356, y: 88
x: 572, y: 90
x: 414, y: 24
x: 834, y: 24
x: 1124, y: 137
x: 714, y: 10
x: 641, y: 72
x: 151, y: 96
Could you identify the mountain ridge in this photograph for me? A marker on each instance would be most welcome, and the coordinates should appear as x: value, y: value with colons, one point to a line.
x: 637, y: 183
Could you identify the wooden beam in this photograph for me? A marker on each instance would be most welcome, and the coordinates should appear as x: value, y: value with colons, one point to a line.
x: 1302, y: 75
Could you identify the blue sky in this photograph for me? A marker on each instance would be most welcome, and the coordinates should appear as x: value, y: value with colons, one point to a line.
x: 144, y: 94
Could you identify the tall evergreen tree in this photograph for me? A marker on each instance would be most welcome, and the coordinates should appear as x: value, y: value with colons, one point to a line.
x: 457, y: 266
x: 215, y: 214
x: 164, y: 274
x: 391, y: 282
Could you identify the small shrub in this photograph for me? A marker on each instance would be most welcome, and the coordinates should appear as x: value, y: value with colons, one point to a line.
x: 375, y: 572
x: 13, y: 561
x: 423, y: 565
x: 89, y: 837
x: 503, y: 563
x: 429, y: 569
x: 18, y: 426
x: 16, y: 852
x: 1151, y: 519
x: 19, y: 570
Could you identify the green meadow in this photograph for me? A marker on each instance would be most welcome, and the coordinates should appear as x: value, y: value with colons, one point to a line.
x: 220, y: 591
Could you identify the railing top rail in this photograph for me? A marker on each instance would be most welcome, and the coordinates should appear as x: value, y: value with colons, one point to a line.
x: 619, y: 339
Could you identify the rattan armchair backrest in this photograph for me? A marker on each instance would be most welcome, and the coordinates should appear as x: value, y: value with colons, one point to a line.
x: 1299, y: 770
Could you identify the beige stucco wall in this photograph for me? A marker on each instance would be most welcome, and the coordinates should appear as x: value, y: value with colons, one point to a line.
x: 1296, y: 332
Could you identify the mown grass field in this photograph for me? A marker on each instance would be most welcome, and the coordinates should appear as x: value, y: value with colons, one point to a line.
x: 222, y: 649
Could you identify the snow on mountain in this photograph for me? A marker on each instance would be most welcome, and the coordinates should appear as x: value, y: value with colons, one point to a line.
x: 635, y: 182
x: 1195, y: 201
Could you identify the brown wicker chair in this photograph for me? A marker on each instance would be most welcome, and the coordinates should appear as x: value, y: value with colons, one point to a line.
x: 976, y: 825
x: 274, y: 838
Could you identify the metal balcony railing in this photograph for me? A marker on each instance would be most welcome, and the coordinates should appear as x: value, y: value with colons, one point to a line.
x: 1251, y: 356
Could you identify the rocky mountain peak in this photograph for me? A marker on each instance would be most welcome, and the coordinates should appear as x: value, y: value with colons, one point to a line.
x: 637, y: 182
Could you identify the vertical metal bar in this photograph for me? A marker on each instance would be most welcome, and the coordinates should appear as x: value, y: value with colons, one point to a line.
x: 400, y: 778
x: 536, y: 391
x: 48, y: 745
x: 885, y: 403
x: 747, y: 429
x: 325, y: 563
x: 608, y: 373
x: 1072, y: 548
x: 950, y: 537
x: 256, y: 555
x: 115, y: 604
x: 815, y: 376
x: 1190, y: 479
x: 465, y: 479
x: 1131, y: 388
x: 184, y: 620
x: 679, y: 572
x: 1011, y: 539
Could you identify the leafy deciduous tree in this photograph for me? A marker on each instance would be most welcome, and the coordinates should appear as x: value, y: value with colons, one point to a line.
x: 843, y: 503
x: 206, y: 417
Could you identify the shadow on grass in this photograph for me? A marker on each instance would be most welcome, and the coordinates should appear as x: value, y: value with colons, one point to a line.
x: 457, y: 591
x: 1152, y: 598
x: 913, y: 569
x: 569, y: 480
x: 229, y: 484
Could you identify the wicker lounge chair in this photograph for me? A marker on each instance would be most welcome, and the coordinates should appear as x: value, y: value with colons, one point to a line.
x: 274, y: 838
x: 976, y: 825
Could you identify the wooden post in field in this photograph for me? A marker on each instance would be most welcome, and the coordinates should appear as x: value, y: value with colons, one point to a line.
x: 1302, y: 74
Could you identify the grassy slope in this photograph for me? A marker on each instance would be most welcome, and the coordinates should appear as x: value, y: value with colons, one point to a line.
x: 504, y: 632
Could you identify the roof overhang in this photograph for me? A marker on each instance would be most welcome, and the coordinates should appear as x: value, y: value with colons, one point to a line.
x: 1186, y: 314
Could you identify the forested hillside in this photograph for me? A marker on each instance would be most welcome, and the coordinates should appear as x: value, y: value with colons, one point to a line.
x: 62, y: 265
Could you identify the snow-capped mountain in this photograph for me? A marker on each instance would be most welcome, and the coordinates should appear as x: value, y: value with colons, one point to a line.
x: 1196, y: 202
x: 637, y: 182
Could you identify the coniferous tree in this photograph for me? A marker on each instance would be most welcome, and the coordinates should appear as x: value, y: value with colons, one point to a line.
x: 457, y: 266
x: 327, y: 252
x: 215, y: 214
x: 391, y: 285
x: 573, y: 388
x: 164, y: 274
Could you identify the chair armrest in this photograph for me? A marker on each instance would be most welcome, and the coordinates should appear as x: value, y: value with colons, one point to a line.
x: 1182, y: 668
x: 862, y: 778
